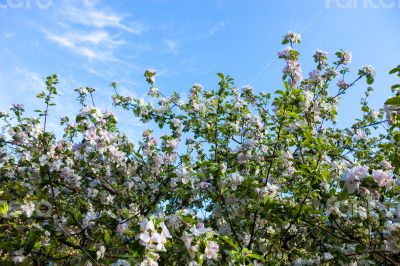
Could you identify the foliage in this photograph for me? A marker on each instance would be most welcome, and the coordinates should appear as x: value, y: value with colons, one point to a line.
x: 239, y: 178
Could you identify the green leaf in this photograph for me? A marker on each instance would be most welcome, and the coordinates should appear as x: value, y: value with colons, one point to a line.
x: 41, y: 95
x: 230, y: 242
x: 370, y: 80
x: 393, y: 101
x: 397, y: 137
x: 107, y: 237
x: 285, y: 83
x: 3, y: 208
x: 308, y: 135
x: 221, y: 76
x: 294, y: 115
x: 395, y: 70
x: 395, y: 86
x: 256, y: 256
x: 37, y: 245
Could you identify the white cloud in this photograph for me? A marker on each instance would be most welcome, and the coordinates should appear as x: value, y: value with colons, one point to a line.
x: 30, y: 80
x: 88, y: 14
x: 62, y: 40
x: 70, y: 39
x: 9, y: 35
x: 94, y: 54
x: 86, y: 29
x: 172, y: 46
x: 215, y: 29
x: 98, y: 45
x: 20, y: 85
x: 92, y: 70
x: 98, y: 37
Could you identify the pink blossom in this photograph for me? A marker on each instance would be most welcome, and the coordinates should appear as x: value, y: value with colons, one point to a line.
x: 382, y: 178
x: 211, y: 250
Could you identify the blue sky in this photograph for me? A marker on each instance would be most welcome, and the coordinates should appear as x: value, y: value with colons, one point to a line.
x: 91, y: 43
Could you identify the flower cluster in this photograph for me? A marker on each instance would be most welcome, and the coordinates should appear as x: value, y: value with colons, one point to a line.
x: 292, y: 69
x: 392, y: 113
x: 344, y: 57
x: 150, y: 238
x: 291, y: 37
x: 358, y: 179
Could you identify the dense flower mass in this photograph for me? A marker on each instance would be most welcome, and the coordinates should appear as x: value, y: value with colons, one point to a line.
x: 236, y: 177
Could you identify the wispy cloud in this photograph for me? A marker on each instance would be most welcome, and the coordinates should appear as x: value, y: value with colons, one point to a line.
x: 91, y: 29
x: 30, y: 80
x: 172, y: 46
x: 92, y: 70
x: 214, y: 30
x: 98, y: 45
x: 9, y: 35
x: 18, y: 85
x: 62, y: 40
x: 69, y: 39
x: 88, y: 13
